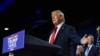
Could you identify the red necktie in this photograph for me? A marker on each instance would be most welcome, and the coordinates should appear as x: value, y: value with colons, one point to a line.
x: 53, y: 36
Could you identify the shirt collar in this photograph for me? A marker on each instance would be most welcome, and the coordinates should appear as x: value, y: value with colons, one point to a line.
x: 59, y: 25
x: 90, y: 45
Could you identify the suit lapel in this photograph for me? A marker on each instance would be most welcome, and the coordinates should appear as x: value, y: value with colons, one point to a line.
x: 91, y: 50
x: 59, y: 33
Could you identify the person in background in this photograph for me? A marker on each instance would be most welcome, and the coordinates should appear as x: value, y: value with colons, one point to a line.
x: 10, y: 54
x: 80, y: 51
x: 90, y: 50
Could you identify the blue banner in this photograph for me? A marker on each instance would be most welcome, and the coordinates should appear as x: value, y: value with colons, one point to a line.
x: 13, y: 42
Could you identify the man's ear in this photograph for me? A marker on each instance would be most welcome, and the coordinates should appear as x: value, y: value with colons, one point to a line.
x: 61, y: 18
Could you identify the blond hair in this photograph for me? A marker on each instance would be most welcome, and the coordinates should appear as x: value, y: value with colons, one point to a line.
x: 59, y: 12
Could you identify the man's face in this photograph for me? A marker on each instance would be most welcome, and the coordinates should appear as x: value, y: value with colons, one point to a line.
x: 90, y: 40
x: 56, y: 18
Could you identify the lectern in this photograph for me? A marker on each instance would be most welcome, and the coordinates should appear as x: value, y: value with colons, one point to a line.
x: 22, y: 44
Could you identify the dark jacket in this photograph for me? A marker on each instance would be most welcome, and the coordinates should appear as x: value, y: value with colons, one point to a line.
x: 65, y: 37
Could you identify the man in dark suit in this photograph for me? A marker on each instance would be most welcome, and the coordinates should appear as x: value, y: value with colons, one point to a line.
x: 91, y: 49
x: 63, y: 35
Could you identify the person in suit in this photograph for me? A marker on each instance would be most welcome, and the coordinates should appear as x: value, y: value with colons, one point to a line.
x: 91, y: 49
x: 63, y: 34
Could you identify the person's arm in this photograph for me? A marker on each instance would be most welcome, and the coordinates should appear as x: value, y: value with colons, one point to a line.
x: 80, y: 42
x: 74, y: 36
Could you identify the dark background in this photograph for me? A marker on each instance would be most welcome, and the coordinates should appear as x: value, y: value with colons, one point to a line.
x: 34, y: 17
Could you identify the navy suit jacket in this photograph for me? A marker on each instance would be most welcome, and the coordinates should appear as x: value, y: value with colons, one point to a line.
x: 66, y: 35
x: 94, y: 51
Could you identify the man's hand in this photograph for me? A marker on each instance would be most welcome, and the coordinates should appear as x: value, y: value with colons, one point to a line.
x: 84, y: 40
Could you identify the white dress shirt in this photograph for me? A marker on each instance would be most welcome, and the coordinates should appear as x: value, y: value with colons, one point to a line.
x: 58, y: 28
x: 87, y: 52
